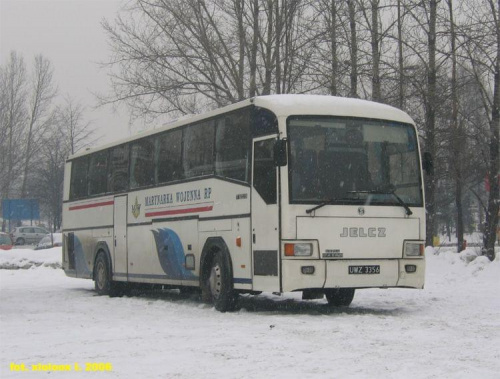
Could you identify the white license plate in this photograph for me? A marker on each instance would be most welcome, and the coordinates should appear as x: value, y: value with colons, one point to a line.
x: 364, y: 270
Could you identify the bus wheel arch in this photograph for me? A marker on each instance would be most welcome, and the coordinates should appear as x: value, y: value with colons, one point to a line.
x: 216, y: 275
x: 102, y: 274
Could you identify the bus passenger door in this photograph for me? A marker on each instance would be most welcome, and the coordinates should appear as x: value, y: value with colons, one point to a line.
x: 265, y: 217
x: 120, y: 238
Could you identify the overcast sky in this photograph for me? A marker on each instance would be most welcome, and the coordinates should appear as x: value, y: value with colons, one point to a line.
x: 68, y: 32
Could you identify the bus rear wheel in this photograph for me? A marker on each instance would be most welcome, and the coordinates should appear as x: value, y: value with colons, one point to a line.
x: 339, y: 297
x: 219, y: 284
x: 102, y: 277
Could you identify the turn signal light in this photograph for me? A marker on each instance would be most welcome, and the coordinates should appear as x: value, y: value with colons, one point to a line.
x: 298, y: 249
x: 289, y: 249
x: 238, y: 241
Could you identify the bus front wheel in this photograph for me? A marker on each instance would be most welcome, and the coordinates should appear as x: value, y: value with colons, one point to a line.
x: 219, y: 284
x: 339, y: 297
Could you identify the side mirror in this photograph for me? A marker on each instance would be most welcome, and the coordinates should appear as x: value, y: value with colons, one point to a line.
x: 427, y: 163
x: 280, y: 157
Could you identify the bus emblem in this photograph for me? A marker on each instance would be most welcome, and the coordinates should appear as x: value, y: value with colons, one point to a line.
x: 136, y: 208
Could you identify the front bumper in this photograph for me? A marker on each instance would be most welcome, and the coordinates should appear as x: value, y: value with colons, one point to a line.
x: 335, y: 274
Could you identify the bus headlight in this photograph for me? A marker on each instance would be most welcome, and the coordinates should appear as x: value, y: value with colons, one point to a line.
x: 414, y: 249
x: 298, y: 249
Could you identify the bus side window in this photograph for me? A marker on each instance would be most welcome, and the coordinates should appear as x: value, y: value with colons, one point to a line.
x: 142, y: 163
x: 199, y: 149
x: 118, y: 170
x: 169, y: 157
x: 98, y: 170
x: 78, y: 188
x: 264, y: 175
x: 232, y: 143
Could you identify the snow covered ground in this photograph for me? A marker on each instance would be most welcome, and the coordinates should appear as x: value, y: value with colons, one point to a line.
x: 449, y: 330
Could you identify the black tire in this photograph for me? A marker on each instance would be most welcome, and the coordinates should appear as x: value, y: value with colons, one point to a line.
x: 20, y: 241
x: 219, y: 285
x: 339, y: 297
x: 102, y: 277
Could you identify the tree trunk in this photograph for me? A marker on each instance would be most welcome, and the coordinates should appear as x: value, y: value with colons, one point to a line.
x: 333, y: 47
x: 401, y: 95
x: 457, y: 137
x: 266, y: 90
x: 376, y: 91
x: 239, y: 5
x: 278, y: 18
x: 253, y: 53
x: 491, y: 224
x: 354, y: 49
x: 430, y: 122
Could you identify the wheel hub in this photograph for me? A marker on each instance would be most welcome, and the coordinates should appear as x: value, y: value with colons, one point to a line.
x: 215, y: 281
x: 101, y: 275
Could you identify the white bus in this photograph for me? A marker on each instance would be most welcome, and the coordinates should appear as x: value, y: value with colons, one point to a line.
x: 277, y: 193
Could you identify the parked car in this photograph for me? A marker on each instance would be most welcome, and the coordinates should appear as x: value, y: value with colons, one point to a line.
x: 28, y: 234
x: 50, y: 240
x: 5, y: 242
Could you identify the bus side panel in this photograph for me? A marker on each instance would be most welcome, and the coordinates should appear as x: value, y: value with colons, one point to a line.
x: 157, y: 252
x: 234, y: 232
x: 90, y: 221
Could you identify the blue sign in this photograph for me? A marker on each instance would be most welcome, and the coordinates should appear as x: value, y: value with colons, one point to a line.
x: 20, y: 209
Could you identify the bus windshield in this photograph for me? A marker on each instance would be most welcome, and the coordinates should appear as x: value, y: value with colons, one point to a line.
x: 339, y: 160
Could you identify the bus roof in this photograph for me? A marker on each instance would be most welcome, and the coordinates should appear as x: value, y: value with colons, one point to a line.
x: 285, y: 105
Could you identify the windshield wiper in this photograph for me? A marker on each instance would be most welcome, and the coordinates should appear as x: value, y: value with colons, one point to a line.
x: 320, y: 205
x: 389, y: 191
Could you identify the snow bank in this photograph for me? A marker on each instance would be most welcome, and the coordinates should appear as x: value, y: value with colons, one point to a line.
x: 466, y: 265
x: 16, y: 259
x: 437, y: 258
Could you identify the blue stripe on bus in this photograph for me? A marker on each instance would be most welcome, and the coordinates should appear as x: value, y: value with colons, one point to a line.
x: 149, y: 276
x: 242, y: 281
x: 152, y: 276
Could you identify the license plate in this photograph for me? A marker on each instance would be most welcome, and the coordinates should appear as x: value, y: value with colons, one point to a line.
x: 364, y: 270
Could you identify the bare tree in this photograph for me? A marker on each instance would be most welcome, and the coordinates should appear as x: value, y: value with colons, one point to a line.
x: 13, y: 89
x: 167, y: 53
x: 66, y: 136
x: 185, y: 56
x: 72, y: 126
x: 42, y: 92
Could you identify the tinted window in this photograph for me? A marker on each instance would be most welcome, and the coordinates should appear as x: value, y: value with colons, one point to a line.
x: 264, y: 122
x: 199, y: 149
x: 264, y: 176
x: 232, y: 144
x: 79, y: 178
x: 118, y: 171
x: 356, y: 161
x: 142, y: 163
x: 169, y: 160
x: 98, y: 173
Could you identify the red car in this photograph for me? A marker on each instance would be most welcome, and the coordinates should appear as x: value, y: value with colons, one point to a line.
x: 5, y: 242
